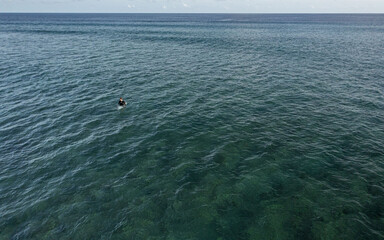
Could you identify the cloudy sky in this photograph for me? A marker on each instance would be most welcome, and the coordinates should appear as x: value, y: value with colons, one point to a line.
x: 195, y: 6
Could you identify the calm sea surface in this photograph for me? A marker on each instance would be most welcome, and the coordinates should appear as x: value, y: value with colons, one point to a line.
x: 236, y: 126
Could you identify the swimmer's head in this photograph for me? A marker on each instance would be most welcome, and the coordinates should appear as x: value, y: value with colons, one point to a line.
x: 121, y: 99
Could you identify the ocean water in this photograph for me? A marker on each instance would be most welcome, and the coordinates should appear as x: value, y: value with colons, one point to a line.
x: 236, y: 126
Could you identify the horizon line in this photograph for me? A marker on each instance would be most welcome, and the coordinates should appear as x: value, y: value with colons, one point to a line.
x: 194, y: 13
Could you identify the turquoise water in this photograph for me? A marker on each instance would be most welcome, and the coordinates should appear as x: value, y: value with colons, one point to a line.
x: 236, y: 127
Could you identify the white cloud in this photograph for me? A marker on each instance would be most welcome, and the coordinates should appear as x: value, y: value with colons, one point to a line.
x: 186, y: 5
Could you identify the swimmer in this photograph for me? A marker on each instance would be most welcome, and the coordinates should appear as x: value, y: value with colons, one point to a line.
x: 122, y: 102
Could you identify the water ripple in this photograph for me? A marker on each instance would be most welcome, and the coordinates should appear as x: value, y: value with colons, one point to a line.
x: 236, y: 126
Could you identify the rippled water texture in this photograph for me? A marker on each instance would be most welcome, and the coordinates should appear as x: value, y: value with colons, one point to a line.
x: 237, y: 126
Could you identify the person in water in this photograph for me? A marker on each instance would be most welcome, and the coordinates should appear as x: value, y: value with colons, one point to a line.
x: 122, y: 102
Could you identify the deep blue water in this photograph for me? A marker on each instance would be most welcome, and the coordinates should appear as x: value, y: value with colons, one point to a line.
x: 264, y: 126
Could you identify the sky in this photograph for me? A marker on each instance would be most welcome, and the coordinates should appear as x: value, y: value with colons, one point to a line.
x: 194, y: 6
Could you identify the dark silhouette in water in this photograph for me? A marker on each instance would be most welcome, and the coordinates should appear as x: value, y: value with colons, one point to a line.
x: 122, y: 102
